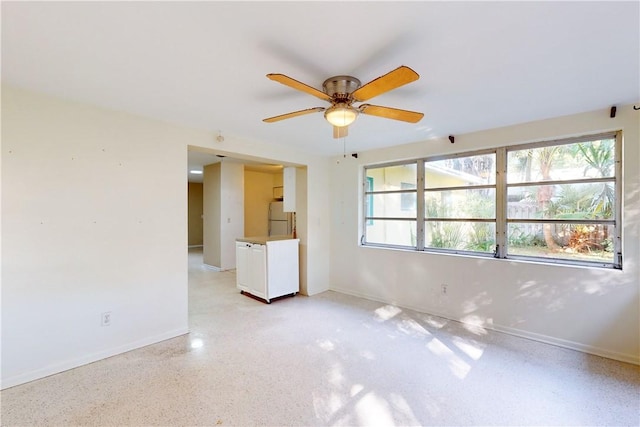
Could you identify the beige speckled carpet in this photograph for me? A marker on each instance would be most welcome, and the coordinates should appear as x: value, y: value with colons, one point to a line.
x: 329, y: 360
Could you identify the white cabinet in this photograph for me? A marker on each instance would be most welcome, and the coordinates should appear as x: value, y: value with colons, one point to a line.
x: 267, y: 269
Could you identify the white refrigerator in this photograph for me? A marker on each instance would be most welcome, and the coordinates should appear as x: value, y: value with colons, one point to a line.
x: 280, y: 222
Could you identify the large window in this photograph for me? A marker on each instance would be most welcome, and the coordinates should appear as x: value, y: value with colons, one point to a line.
x: 556, y: 201
x: 561, y: 200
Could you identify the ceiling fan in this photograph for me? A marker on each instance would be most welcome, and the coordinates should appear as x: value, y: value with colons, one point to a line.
x: 343, y: 91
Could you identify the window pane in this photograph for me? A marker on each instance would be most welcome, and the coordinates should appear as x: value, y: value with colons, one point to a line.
x: 565, y: 201
x: 408, y: 200
x: 398, y: 205
x: 467, y: 236
x: 471, y: 203
x: 392, y: 177
x: 369, y: 198
x: 461, y: 171
x: 593, y: 159
x: 577, y: 242
x: 402, y: 233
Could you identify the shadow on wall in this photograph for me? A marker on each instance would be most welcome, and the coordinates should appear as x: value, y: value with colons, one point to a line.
x: 557, y: 303
x: 568, y: 293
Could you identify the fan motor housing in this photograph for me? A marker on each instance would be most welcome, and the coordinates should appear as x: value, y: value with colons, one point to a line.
x: 340, y: 87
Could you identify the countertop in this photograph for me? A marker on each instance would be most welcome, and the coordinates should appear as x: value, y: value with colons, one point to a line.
x: 262, y: 240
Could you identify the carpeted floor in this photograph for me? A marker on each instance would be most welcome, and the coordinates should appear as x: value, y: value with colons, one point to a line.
x: 330, y: 359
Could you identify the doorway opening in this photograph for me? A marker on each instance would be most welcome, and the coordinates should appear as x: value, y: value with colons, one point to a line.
x: 232, y: 196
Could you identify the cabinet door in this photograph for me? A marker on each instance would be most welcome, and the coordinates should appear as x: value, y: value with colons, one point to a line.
x: 242, y: 265
x: 258, y: 270
x: 283, y: 272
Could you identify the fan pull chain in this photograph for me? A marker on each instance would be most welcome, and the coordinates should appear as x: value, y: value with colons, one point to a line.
x: 344, y: 146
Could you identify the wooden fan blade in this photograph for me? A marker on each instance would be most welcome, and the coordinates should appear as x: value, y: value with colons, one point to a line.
x: 391, y: 113
x: 293, y: 114
x: 288, y: 81
x: 392, y: 80
x: 340, y: 131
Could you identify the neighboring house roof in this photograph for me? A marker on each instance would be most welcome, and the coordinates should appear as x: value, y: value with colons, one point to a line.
x: 463, y: 176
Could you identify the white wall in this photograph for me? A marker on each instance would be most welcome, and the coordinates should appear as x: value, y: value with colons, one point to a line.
x: 302, y: 224
x: 232, y: 212
x: 94, y: 219
x: 589, y: 309
x: 313, y: 231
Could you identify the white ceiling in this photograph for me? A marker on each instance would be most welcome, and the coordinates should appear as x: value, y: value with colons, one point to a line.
x: 198, y: 159
x: 203, y: 64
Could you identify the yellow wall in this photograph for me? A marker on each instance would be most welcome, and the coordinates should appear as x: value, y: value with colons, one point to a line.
x: 441, y: 180
x: 258, y: 192
x: 195, y: 214
x: 394, y: 176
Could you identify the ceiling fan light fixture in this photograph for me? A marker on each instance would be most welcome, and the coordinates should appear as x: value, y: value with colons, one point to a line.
x: 341, y: 115
x: 342, y: 91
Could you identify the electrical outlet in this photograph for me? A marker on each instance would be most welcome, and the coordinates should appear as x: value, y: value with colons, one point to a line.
x: 443, y: 289
x: 106, y: 319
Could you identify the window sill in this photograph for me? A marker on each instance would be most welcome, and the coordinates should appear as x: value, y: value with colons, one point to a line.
x: 512, y: 259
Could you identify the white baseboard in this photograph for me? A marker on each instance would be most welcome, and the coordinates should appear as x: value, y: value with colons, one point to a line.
x: 85, y: 360
x: 212, y: 267
x: 572, y: 345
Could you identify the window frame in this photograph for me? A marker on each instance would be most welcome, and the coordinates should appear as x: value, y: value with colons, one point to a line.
x: 368, y: 203
x: 616, y: 222
x: 369, y: 195
x: 502, y: 221
x: 460, y: 187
